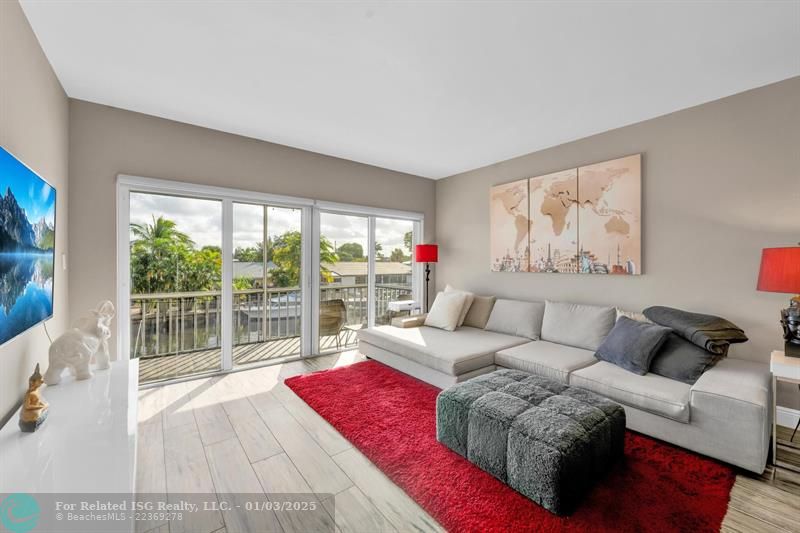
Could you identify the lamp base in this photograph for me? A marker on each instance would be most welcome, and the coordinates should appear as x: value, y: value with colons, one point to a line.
x: 790, y: 321
x: 791, y: 349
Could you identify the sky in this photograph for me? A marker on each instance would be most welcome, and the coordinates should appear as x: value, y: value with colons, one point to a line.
x: 202, y: 221
x: 33, y: 194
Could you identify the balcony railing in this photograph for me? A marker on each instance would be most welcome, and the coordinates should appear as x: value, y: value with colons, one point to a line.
x: 175, y: 323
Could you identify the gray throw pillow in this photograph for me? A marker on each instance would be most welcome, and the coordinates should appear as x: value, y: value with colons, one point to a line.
x: 518, y: 318
x: 632, y: 345
x: 578, y: 325
x: 681, y: 360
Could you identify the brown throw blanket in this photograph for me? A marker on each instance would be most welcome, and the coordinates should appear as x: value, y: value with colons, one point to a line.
x: 710, y: 332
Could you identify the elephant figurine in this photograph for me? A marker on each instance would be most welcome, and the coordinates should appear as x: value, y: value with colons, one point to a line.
x: 86, y: 341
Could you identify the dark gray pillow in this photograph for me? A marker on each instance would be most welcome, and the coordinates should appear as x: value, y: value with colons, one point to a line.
x: 632, y: 345
x: 681, y: 360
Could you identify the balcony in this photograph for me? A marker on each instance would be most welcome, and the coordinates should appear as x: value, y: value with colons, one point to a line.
x: 178, y: 334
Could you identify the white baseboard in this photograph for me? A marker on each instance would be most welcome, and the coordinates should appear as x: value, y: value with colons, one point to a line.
x: 787, y: 417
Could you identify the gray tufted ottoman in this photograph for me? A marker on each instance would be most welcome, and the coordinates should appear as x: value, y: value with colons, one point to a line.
x: 547, y: 440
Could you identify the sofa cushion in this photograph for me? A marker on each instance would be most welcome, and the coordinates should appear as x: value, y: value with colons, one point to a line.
x: 632, y: 345
x: 479, y: 311
x: 652, y: 393
x: 582, y: 326
x: 547, y: 359
x: 446, y: 310
x: 515, y: 317
x: 451, y: 352
x: 470, y: 297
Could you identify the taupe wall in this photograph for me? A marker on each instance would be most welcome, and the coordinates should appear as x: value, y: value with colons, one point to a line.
x: 106, y: 141
x: 721, y: 181
x: 34, y: 116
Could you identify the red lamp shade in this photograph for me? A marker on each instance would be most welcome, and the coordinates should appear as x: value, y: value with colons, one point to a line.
x: 426, y: 253
x: 780, y: 270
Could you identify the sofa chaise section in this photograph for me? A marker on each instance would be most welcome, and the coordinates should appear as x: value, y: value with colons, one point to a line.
x: 439, y: 357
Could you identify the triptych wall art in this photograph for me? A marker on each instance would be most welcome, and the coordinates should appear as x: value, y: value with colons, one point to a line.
x: 585, y: 220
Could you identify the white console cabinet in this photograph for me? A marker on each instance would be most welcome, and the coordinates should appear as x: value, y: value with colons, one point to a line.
x: 87, y: 444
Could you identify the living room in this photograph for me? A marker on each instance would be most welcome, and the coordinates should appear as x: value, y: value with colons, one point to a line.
x: 387, y: 266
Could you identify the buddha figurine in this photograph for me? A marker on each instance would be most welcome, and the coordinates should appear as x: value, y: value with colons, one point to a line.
x: 34, y: 408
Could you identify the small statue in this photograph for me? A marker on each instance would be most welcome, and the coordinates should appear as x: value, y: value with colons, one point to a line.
x: 34, y: 408
x: 76, y: 347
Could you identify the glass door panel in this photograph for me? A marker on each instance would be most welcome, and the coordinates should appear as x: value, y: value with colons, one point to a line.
x: 267, y: 302
x: 344, y: 272
x: 175, y: 280
x: 393, y: 269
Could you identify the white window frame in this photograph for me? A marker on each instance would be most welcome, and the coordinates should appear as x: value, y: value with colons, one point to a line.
x: 310, y: 285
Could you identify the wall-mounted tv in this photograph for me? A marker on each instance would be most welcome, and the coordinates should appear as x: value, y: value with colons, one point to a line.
x: 27, y: 247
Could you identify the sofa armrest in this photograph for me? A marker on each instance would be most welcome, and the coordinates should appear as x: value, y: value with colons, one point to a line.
x: 735, y: 381
x: 409, y: 321
x: 735, y: 396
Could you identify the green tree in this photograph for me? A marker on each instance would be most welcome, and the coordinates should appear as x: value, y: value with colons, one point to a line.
x: 350, y: 251
x: 397, y: 256
x: 327, y: 254
x: 286, y: 254
x: 158, y: 252
x: 250, y: 254
x: 164, y: 259
x: 407, y: 240
x: 202, y: 270
x: 242, y: 283
x: 161, y: 232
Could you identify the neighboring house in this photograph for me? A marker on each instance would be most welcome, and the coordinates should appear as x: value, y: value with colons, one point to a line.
x: 251, y: 270
x: 355, y: 273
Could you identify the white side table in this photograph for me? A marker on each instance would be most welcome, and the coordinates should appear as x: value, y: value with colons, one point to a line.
x: 787, y: 370
x: 402, y: 305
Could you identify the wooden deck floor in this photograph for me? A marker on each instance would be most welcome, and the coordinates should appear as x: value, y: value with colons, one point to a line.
x: 172, y: 366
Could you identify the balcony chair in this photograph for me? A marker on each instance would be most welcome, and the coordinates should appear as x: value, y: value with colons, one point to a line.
x: 332, y: 318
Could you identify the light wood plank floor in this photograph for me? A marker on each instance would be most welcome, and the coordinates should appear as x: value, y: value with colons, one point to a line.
x: 247, y: 431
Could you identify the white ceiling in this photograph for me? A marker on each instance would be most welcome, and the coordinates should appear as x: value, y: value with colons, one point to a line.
x: 428, y: 88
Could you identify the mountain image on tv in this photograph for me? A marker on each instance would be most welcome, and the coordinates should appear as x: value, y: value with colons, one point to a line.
x: 27, y: 247
x: 17, y: 233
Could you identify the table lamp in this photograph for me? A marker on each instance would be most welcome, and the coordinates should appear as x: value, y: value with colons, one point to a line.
x: 780, y: 272
x: 426, y: 253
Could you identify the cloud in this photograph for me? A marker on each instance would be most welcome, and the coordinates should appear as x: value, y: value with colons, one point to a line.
x: 46, y: 190
x: 201, y: 219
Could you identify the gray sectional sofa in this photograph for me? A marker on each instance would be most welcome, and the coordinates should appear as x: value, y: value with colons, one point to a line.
x: 725, y: 414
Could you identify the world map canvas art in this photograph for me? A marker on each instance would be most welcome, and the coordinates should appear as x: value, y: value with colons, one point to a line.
x: 508, y: 214
x: 585, y: 220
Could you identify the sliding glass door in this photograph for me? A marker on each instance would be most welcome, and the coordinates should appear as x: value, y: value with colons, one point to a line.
x: 343, y: 273
x: 367, y: 275
x: 394, y: 269
x: 267, y: 274
x: 214, y: 279
x: 175, y: 285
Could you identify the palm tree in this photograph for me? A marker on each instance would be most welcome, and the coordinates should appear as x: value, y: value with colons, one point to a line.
x: 158, y: 251
x: 162, y: 231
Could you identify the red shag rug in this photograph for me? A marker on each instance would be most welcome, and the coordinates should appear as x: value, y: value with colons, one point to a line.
x: 391, y: 418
